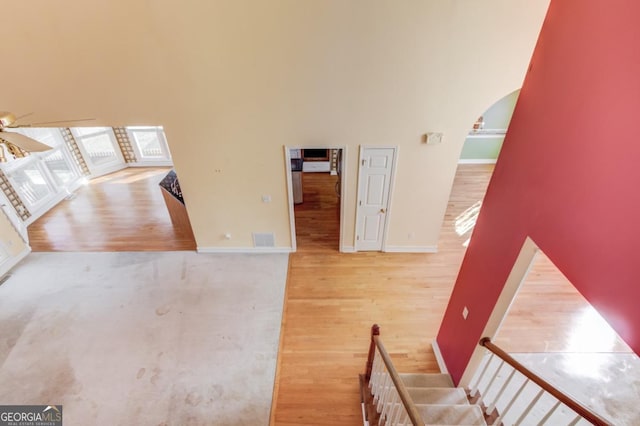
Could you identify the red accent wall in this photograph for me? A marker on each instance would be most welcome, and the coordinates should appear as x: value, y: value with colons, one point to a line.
x: 568, y: 175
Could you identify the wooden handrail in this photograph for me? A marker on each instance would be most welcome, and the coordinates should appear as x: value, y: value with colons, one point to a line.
x: 412, y: 411
x: 563, y: 398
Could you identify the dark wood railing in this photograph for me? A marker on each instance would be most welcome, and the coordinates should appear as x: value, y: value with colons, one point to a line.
x: 376, y: 343
x: 546, y: 386
x: 375, y: 331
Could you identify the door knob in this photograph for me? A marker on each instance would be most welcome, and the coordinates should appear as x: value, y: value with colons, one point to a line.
x: 381, y: 210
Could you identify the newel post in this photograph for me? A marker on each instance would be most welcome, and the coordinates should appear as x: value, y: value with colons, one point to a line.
x: 375, y: 331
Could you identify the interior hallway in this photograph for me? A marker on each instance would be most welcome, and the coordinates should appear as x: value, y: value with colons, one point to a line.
x: 333, y: 299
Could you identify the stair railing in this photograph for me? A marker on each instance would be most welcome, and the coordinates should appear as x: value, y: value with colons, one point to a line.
x: 501, y: 390
x: 392, y: 400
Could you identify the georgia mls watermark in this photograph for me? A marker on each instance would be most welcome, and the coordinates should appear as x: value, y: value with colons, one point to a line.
x: 30, y: 415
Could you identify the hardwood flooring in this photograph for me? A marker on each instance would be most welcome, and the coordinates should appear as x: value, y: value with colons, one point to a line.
x: 332, y: 299
x: 549, y: 307
x: 318, y: 217
x: 122, y: 211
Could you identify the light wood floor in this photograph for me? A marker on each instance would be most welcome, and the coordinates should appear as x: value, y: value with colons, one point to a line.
x: 122, y: 211
x: 549, y: 307
x: 333, y: 299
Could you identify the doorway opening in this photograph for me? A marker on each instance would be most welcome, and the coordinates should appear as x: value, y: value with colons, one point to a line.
x: 478, y: 158
x: 565, y: 322
x: 571, y: 344
x: 316, y: 181
x: 568, y: 343
x: 484, y: 141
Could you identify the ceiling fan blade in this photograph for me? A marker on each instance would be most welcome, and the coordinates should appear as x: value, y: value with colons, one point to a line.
x: 20, y: 117
x: 41, y: 123
x: 24, y: 142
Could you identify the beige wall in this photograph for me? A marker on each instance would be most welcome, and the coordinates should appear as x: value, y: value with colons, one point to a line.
x: 10, y: 240
x: 234, y: 81
x: 13, y: 247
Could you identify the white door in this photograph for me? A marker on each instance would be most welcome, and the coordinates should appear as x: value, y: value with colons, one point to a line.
x: 374, y: 184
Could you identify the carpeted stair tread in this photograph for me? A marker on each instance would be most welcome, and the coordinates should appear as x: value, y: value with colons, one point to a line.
x: 438, y: 395
x: 451, y: 414
x: 426, y: 380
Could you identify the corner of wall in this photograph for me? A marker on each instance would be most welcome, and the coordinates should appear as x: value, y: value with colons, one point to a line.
x: 12, y: 261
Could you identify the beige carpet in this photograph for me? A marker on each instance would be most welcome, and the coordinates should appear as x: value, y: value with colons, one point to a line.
x: 172, y: 338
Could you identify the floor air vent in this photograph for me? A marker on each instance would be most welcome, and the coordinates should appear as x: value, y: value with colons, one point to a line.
x: 263, y: 239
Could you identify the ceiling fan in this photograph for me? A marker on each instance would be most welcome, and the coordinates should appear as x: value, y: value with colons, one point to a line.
x: 18, y: 145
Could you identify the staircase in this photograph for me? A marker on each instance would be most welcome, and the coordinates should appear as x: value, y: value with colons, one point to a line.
x: 434, y: 397
x: 439, y: 403
x: 501, y: 393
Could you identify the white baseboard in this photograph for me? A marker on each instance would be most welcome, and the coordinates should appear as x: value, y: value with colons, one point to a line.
x: 107, y: 171
x: 477, y: 161
x: 411, y: 249
x: 348, y: 249
x: 244, y: 250
x: 8, y: 264
x: 151, y: 163
x: 439, y: 358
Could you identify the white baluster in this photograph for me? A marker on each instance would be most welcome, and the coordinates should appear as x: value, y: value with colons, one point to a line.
x: 380, y: 381
x: 392, y: 406
x: 513, y: 400
x: 486, y: 360
x: 384, y: 391
x: 390, y: 401
x: 492, y: 406
x: 549, y: 414
x: 485, y: 391
x: 376, y: 373
x: 377, y: 390
x: 405, y: 421
x: 575, y: 421
x: 532, y: 404
x: 396, y: 413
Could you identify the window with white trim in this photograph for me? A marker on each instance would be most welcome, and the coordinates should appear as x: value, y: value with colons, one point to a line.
x: 99, y: 148
x: 58, y: 161
x: 43, y: 178
x: 31, y: 184
x: 149, y: 143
